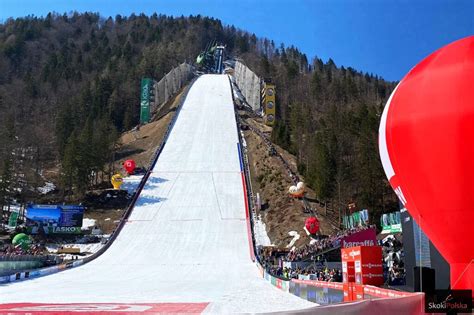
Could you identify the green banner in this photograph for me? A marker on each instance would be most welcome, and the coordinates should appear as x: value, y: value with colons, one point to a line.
x: 146, y: 86
x: 273, y: 281
x: 357, y: 219
x: 391, y: 223
x: 13, y: 219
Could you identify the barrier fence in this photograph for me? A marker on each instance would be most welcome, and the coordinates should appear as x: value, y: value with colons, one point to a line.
x: 170, y: 84
x: 249, y: 84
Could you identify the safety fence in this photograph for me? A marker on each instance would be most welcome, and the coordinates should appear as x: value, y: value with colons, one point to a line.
x: 246, y: 183
x: 249, y: 84
x: 71, y: 264
x: 170, y: 84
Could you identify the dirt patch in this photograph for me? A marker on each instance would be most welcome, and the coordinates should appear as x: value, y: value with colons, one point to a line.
x: 280, y: 212
x: 106, y: 219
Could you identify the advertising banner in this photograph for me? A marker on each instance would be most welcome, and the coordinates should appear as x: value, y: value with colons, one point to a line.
x: 54, y: 219
x: 367, y: 263
x: 363, y: 238
x: 323, y: 295
x: 12, y: 220
x: 391, y: 223
x: 145, y: 100
x: 356, y: 219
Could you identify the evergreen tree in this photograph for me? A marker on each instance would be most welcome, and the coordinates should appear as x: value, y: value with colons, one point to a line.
x: 321, y: 168
x: 69, y: 163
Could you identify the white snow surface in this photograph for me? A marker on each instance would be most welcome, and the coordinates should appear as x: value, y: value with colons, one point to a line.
x: 131, y: 182
x: 296, y: 237
x: 260, y: 231
x: 46, y: 188
x: 87, y: 223
x: 186, y: 239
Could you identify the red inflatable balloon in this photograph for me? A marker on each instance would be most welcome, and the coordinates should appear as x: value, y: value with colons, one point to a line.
x: 426, y: 142
x: 129, y: 166
x: 312, y: 225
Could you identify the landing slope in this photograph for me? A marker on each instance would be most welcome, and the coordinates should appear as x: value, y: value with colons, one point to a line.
x: 186, y: 240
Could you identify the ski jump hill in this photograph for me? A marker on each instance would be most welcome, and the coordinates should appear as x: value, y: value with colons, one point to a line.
x: 185, y: 246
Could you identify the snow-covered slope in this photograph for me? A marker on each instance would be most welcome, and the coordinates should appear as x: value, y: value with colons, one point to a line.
x: 186, y: 239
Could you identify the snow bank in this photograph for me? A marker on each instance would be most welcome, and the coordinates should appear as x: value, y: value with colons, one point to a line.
x: 130, y: 183
x: 260, y: 231
x: 296, y: 237
x: 87, y: 223
x: 46, y: 188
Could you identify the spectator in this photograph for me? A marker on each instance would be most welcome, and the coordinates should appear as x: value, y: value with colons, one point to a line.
x: 394, y: 267
x: 318, y: 246
x: 10, y: 250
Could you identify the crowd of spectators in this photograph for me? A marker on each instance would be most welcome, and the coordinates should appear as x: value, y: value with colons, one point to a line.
x: 271, y: 261
x: 320, y: 274
x: 321, y: 245
x: 9, y: 250
x: 394, y: 267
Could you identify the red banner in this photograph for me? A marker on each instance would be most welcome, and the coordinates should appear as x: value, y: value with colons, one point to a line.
x: 102, y: 308
x: 367, y: 262
x: 362, y: 238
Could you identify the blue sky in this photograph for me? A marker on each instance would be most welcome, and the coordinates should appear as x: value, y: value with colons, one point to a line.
x: 383, y: 37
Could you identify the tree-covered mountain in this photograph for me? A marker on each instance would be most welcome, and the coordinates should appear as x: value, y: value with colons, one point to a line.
x: 70, y: 83
x: 328, y: 116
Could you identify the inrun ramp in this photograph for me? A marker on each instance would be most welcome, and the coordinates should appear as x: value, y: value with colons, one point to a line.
x: 186, y: 240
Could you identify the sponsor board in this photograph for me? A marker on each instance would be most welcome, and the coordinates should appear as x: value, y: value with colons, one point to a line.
x: 391, y: 222
x: 363, y: 238
x: 145, y: 88
x: 321, y: 284
x: 317, y: 294
x: 54, y: 219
